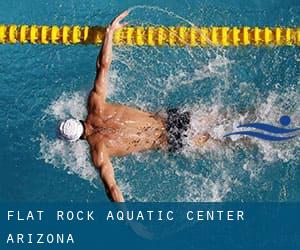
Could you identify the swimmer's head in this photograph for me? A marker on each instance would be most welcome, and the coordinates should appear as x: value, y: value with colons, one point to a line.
x: 70, y: 130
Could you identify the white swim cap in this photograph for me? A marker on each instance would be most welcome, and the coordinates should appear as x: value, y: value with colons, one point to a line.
x: 70, y: 130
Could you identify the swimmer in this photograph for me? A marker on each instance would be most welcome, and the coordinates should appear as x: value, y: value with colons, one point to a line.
x: 114, y: 130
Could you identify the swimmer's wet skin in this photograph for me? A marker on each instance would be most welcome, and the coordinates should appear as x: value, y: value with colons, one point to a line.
x: 117, y: 130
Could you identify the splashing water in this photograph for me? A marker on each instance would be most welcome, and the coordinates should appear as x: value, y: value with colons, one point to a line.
x: 220, y: 93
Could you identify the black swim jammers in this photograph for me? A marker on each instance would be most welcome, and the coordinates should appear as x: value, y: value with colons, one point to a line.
x: 177, y: 125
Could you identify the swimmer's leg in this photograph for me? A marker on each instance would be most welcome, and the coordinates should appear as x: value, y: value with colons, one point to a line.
x: 200, y: 140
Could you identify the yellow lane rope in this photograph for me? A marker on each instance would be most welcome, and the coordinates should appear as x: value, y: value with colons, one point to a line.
x: 152, y: 35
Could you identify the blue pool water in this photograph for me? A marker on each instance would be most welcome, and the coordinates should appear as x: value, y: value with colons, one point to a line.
x: 42, y: 84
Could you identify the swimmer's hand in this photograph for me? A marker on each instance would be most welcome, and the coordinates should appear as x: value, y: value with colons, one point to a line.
x: 115, y: 24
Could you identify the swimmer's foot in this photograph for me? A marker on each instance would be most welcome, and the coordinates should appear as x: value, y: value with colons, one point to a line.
x: 200, y: 140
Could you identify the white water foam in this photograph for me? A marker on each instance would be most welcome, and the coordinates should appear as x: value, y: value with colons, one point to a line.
x: 212, y: 189
x: 75, y: 159
x: 218, y: 120
x: 72, y: 157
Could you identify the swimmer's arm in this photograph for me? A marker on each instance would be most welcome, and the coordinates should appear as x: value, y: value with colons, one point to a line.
x: 103, y: 164
x: 105, y: 56
x: 102, y: 65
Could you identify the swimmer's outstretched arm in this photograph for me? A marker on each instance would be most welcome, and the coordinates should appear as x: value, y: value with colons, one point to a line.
x: 103, y: 164
x: 105, y: 56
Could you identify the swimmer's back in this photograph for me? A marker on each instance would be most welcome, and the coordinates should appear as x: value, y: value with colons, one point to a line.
x: 126, y: 130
